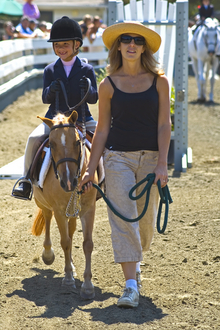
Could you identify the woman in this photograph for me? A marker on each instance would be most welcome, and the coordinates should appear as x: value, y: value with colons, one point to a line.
x: 66, y: 37
x: 134, y: 129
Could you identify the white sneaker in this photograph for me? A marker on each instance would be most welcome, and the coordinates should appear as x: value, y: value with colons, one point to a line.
x: 130, y: 298
x: 138, y: 279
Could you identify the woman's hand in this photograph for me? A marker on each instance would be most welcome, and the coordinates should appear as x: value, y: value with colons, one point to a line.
x: 161, y: 174
x: 86, y: 182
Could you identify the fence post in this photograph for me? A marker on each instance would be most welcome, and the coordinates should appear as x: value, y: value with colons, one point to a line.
x: 148, y: 10
x: 112, y: 12
x: 181, y: 85
x: 161, y: 15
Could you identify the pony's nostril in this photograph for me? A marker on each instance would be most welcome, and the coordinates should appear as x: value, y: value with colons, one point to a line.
x: 75, y: 182
x: 62, y: 184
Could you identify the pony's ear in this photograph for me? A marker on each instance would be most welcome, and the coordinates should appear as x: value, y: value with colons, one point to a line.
x: 47, y: 121
x: 73, y: 117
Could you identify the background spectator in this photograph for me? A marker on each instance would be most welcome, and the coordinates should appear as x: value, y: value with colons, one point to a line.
x: 87, y: 20
x: 30, y: 10
x: 9, y: 31
x: 23, y: 29
x: 41, y: 30
x: 95, y: 31
x: 32, y: 24
x: 94, y: 28
x: 84, y: 24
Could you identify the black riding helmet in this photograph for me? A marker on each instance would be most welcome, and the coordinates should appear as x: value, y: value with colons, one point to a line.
x: 65, y: 29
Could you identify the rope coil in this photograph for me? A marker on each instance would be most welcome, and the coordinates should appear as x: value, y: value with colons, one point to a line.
x: 165, y: 198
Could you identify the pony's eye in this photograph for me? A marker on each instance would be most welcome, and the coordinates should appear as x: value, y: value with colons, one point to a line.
x: 51, y: 145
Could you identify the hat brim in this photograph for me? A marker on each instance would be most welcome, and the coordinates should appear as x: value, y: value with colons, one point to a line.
x: 112, y: 32
x: 65, y: 39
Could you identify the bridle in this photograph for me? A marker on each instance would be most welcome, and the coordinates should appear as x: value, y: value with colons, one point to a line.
x: 80, y: 160
x: 67, y: 159
x: 81, y: 157
x: 205, y: 37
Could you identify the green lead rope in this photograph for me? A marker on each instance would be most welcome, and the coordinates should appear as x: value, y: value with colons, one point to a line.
x: 165, y: 198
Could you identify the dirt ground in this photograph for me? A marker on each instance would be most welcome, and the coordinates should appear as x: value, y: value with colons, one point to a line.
x: 181, y: 272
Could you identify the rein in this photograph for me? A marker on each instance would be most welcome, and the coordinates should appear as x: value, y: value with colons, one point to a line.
x: 165, y: 198
x: 68, y: 112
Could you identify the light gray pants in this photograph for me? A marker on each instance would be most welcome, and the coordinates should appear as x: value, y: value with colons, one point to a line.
x: 122, y: 171
x: 37, y: 137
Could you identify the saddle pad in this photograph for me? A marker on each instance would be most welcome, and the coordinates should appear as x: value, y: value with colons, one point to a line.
x: 45, y: 167
x: 88, y: 144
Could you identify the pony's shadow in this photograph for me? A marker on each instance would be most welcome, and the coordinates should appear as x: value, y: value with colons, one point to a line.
x: 44, y: 289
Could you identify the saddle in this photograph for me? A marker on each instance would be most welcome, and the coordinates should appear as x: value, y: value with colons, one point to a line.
x: 38, y: 161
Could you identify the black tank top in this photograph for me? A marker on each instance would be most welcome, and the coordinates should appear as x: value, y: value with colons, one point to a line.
x: 134, y: 120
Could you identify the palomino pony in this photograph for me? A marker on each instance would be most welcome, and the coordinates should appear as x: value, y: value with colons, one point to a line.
x: 204, y: 49
x: 59, y: 197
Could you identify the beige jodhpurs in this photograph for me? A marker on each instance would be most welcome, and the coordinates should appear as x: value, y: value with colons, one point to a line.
x: 122, y: 171
x: 37, y: 137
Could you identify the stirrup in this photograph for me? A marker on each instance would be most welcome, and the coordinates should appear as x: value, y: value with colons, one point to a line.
x: 23, y: 179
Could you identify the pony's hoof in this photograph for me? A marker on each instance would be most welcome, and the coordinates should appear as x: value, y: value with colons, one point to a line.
x: 87, y: 293
x: 48, y: 256
x: 68, y: 282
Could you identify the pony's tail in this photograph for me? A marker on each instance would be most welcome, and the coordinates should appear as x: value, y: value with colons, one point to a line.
x: 39, y: 224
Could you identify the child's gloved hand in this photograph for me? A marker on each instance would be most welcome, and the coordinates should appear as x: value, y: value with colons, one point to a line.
x: 55, y: 86
x: 83, y: 83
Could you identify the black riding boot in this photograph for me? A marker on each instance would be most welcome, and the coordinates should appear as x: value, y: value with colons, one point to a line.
x: 23, y: 191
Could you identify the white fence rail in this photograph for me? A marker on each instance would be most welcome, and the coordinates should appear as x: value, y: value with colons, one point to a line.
x: 20, y: 55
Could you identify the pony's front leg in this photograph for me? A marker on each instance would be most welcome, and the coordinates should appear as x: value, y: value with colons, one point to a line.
x: 202, y: 80
x: 66, y: 242
x: 72, y: 228
x: 195, y: 69
x: 212, y: 79
x: 48, y: 253
x: 87, y: 288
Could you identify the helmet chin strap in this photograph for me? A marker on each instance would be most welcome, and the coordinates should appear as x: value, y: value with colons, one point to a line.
x: 76, y: 52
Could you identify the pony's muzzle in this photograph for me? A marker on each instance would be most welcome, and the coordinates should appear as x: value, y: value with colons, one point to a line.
x: 69, y: 185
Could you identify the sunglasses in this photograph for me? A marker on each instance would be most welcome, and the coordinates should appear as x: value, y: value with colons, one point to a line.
x: 126, y: 39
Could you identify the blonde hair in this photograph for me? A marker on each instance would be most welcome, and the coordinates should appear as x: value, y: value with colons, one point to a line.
x: 148, y: 61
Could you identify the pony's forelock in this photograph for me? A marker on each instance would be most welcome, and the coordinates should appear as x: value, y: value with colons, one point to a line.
x: 60, y: 119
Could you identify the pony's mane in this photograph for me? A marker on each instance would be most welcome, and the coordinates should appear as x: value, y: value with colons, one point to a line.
x: 60, y: 118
